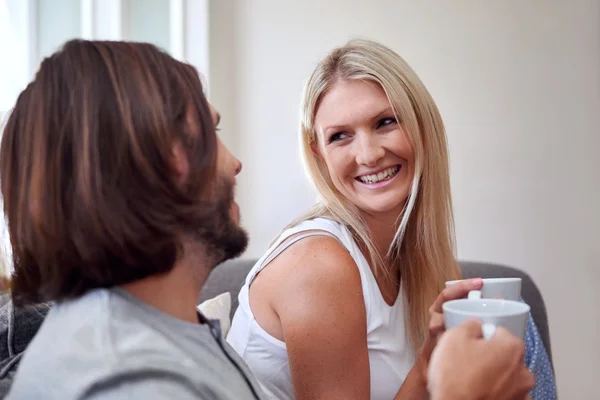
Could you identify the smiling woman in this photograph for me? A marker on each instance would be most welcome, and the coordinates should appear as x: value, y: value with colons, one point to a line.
x: 340, y: 303
x: 346, y: 303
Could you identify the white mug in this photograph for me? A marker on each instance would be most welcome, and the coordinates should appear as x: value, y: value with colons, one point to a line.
x: 497, y: 288
x: 493, y: 313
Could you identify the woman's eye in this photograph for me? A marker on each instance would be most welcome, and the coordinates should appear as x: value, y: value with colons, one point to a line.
x: 336, y: 136
x: 385, y: 122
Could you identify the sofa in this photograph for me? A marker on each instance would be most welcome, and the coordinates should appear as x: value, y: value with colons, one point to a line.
x: 230, y: 276
x: 19, y: 325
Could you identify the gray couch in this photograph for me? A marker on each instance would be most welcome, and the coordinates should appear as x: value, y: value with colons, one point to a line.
x: 230, y: 276
x: 18, y: 326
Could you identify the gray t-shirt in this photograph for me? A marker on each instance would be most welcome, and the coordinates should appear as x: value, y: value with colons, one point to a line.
x: 110, y: 345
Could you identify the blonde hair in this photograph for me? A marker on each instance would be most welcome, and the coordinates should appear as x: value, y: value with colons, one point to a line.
x: 423, y: 246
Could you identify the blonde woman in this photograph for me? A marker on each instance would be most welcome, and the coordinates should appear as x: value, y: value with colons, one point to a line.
x: 347, y: 301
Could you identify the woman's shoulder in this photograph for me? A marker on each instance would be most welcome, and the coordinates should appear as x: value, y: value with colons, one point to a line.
x: 319, y: 248
x: 312, y: 256
x: 317, y: 257
x: 317, y: 268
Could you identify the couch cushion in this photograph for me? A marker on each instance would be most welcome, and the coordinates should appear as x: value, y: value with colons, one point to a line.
x: 227, y: 277
x: 218, y: 308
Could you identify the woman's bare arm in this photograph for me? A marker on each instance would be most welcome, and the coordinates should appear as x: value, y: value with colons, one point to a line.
x: 315, y: 291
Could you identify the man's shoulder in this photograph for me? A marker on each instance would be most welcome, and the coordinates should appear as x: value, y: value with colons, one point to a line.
x: 148, y: 374
x: 87, y: 338
x: 105, y: 328
x: 139, y: 371
x: 104, y: 345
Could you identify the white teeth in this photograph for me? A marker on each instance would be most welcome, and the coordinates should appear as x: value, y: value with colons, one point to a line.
x: 383, y: 175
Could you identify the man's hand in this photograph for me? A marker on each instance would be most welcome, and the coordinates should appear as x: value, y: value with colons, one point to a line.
x: 465, y: 366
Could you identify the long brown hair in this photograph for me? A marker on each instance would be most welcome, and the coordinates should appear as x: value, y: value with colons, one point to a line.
x: 423, y: 247
x: 85, y: 168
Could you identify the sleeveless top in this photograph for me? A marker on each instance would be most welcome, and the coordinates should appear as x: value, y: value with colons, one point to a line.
x: 391, y: 355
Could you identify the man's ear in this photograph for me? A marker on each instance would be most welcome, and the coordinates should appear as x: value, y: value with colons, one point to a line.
x: 179, y: 163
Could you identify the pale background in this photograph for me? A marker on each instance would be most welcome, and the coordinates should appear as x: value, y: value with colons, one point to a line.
x: 517, y: 83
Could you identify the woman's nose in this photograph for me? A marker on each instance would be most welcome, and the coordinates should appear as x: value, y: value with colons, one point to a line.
x: 369, y: 151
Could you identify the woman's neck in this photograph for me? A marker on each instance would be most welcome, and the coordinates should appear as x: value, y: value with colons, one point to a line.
x: 382, y: 229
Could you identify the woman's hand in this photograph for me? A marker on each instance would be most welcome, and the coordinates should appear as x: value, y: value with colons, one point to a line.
x: 436, y: 322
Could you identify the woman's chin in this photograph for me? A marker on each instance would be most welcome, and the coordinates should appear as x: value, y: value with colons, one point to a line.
x: 391, y: 210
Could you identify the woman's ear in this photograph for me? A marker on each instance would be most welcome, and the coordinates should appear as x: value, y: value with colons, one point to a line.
x: 314, y: 148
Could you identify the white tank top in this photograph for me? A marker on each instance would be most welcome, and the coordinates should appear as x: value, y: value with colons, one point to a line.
x: 391, y: 355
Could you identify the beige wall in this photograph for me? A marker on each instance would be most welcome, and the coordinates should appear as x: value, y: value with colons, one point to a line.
x: 518, y: 84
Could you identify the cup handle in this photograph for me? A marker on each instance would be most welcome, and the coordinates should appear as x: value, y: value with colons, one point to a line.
x: 488, y: 330
x: 474, y: 295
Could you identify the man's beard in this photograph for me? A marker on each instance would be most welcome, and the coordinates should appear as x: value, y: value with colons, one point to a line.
x: 225, y: 239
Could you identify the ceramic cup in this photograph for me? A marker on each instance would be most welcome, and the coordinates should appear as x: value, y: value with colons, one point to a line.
x: 497, y: 288
x: 493, y: 313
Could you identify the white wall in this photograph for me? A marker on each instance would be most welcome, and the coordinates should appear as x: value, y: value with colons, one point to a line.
x: 14, y: 74
x: 58, y: 21
x: 518, y: 84
x: 147, y: 21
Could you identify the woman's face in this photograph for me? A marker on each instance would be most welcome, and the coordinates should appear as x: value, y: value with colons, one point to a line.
x: 367, y: 152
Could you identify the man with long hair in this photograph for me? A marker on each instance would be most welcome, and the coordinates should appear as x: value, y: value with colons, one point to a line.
x: 119, y: 201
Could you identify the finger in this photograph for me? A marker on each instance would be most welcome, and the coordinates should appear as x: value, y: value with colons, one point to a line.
x: 456, y: 291
x: 528, y: 379
x: 523, y: 385
x: 471, y: 328
x: 436, y: 324
x: 504, y: 335
x: 519, y: 395
x: 510, y: 343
